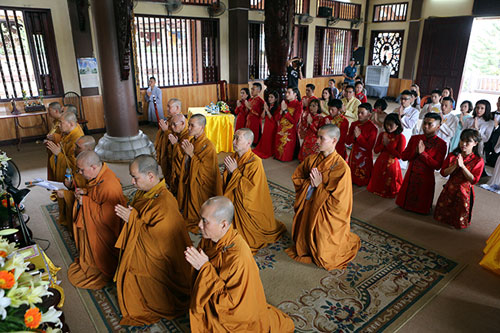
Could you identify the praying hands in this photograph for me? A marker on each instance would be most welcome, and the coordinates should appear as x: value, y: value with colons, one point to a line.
x: 123, y: 212
x: 163, y: 125
x: 196, y: 258
x: 316, y: 177
x: 420, y: 147
x: 54, y: 148
x: 172, y: 138
x: 230, y: 164
x: 188, y: 148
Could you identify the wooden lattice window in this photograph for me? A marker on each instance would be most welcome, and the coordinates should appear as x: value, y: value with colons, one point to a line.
x: 393, y: 12
x: 177, y: 51
x: 385, y: 50
x: 332, y: 50
x: 302, y: 6
x: 28, y: 56
x: 257, y: 4
x: 342, y: 10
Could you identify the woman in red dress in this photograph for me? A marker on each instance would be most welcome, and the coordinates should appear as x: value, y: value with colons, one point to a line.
x: 242, y: 110
x: 464, y: 166
x: 336, y: 118
x: 288, y: 119
x: 309, y: 129
x: 266, y: 148
x: 386, y: 179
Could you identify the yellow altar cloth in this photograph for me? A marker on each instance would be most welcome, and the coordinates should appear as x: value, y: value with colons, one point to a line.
x: 219, y: 129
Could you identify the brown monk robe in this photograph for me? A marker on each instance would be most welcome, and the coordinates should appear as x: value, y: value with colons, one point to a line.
x: 228, y: 295
x: 179, y: 134
x: 153, y: 280
x: 245, y: 184
x: 163, y: 147
x: 64, y: 152
x: 55, y: 112
x: 96, y: 227
x: 66, y: 198
x: 200, y: 176
x: 323, y: 204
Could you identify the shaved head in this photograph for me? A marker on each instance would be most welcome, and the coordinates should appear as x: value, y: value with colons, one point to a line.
x: 70, y: 117
x: 331, y: 130
x: 200, y: 119
x: 89, y: 158
x: 55, y: 106
x: 178, y: 117
x: 246, y: 133
x: 175, y: 102
x: 71, y: 109
x: 146, y: 164
x: 86, y: 142
x: 223, y: 209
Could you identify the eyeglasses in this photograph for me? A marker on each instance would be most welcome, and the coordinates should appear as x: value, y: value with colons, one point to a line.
x: 405, y: 98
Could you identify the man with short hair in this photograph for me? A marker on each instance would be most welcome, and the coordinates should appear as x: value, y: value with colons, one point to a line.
x: 245, y: 184
x: 163, y: 146
x: 350, y: 103
x: 321, y: 227
x: 336, y: 118
x: 309, y: 96
x: 153, y: 280
x: 434, y: 105
x: 255, y: 106
x: 228, y: 295
x: 200, y: 176
x: 408, y: 116
x: 63, y: 153
x: 449, y: 122
x: 334, y: 92
x: 152, y: 97
x: 350, y: 72
x: 66, y: 198
x: 55, y: 112
x: 96, y: 226
x: 425, y: 153
x: 179, y: 134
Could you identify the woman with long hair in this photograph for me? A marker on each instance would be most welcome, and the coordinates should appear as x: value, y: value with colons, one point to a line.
x: 242, y: 109
x: 266, y: 148
x: 326, y: 96
x: 482, y: 121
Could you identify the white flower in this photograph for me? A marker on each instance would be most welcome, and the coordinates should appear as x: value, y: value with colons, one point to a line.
x: 52, y: 316
x: 4, y: 303
x: 17, y: 263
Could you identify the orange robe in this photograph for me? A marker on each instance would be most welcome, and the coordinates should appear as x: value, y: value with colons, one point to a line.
x: 66, y: 204
x: 247, y: 188
x: 321, y: 226
x: 66, y: 158
x: 153, y: 278
x: 96, y: 229
x: 177, y: 160
x: 163, y: 153
x: 56, y: 132
x: 228, y: 295
x: 491, y: 259
x: 199, y: 180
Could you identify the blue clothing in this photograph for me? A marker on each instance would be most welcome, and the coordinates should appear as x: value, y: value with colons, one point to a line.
x: 456, y: 138
x: 156, y: 92
x: 350, y: 72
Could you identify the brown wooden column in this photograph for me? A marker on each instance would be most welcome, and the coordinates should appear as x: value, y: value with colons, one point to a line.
x: 238, y: 46
x: 278, y: 27
x: 123, y: 140
x: 410, y: 70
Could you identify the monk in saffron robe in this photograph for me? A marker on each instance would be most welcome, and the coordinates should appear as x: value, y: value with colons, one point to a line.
x: 55, y: 112
x: 63, y: 153
x: 245, y: 184
x: 425, y: 153
x: 254, y: 121
x: 321, y: 227
x: 464, y: 166
x: 362, y: 136
x: 66, y: 198
x: 96, y: 227
x: 200, y: 176
x: 288, y: 120
x: 163, y: 146
x: 179, y: 133
x: 153, y: 280
x: 228, y: 295
x: 337, y: 119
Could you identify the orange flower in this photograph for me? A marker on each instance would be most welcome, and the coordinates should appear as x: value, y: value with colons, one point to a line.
x: 7, y: 280
x: 3, y: 254
x: 32, y: 318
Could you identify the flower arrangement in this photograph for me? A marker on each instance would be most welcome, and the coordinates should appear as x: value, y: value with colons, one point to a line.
x: 223, y: 107
x: 217, y: 108
x: 21, y: 295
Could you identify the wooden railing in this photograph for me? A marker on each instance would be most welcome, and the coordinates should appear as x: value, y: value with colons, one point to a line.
x: 301, y: 6
x: 342, y: 10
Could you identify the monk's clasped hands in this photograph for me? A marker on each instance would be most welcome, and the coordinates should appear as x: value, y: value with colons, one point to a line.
x: 316, y: 177
x: 163, y: 125
x: 188, y: 148
x: 123, y: 212
x: 230, y: 164
x: 172, y: 138
x: 54, y: 148
x: 196, y: 258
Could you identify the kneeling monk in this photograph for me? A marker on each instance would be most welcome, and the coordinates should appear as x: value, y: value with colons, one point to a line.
x: 245, y: 184
x: 200, y: 176
x: 153, y: 280
x: 322, y: 224
x: 96, y: 227
x: 228, y: 295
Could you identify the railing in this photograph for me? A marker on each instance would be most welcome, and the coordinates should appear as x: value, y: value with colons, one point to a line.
x: 488, y: 84
x: 257, y: 4
x: 393, y: 12
x: 342, y: 10
x: 301, y: 6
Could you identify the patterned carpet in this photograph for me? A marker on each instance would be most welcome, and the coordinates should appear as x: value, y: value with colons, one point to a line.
x: 387, y: 283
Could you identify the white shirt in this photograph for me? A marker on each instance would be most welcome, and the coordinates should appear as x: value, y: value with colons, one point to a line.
x: 484, y: 127
x: 409, y: 119
x: 449, y: 124
x: 436, y: 108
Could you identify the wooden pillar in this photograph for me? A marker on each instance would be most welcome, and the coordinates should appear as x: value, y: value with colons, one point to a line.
x: 410, y: 70
x: 278, y: 27
x: 238, y: 46
x: 123, y: 140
